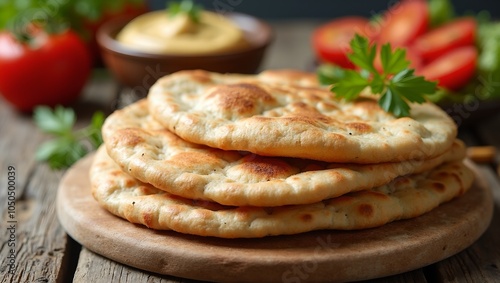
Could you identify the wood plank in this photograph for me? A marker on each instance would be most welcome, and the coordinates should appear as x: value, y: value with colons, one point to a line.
x: 41, y: 247
x: 43, y: 251
x: 17, y: 145
x: 95, y: 268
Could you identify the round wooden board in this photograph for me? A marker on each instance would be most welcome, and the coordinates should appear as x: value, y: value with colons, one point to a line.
x: 315, y: 256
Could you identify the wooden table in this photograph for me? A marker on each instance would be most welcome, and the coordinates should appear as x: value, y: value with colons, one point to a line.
x: 45, y: 253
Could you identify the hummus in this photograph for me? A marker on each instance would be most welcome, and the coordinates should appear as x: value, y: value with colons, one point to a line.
x: 157, y: 32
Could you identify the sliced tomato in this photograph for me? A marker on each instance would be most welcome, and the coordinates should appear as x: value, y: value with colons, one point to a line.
x: 454, y: 69
x: 415, y: 60
x: 431, y: 45
x: 404, y: 22
x: 331, y: 40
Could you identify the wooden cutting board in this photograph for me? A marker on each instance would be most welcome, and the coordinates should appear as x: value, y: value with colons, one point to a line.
x: 309, y: 257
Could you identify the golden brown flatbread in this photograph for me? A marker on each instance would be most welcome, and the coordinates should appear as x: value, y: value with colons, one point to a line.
x: 292, y: 117
x: 405, y: 197
x: 147, y: 151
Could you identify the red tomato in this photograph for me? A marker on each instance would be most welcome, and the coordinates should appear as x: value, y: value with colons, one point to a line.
x: 50, y: 71
x: 404, y: 22
x: 454, y: 69
x: 331, y: 40
x: 441, y: 40
x: 415, y: 60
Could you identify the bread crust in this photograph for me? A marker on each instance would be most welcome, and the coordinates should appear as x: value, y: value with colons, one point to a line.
x: 286, y: 113
x: 405, y: 197
x: 143, y: 148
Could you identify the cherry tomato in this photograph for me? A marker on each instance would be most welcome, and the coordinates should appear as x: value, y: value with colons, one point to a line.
x: 51, y: 70
x: 441, y: 40
x: 331, y: 40
x: 454, y: 69
x: 404, y: 22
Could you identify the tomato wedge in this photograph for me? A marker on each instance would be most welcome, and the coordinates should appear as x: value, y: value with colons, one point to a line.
x: 454, y: 69
x: 331, y: 40
x: 404, y: 22
x: 461, y: 32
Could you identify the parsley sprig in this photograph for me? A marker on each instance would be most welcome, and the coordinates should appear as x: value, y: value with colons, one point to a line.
x: 396, y: 83
x: 187, y: 7
x: 69, y: 145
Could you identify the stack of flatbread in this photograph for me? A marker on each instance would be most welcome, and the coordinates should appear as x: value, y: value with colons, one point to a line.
x: 246, y: 156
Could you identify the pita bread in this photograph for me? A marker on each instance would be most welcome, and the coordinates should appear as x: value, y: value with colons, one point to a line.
x: 290, y: 117
x: 405, y: 197
x: 148, y: 152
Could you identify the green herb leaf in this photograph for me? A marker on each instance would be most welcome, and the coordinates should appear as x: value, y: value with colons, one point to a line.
x: 330, y: 74
x: 363, y: 54
x: 377, y: 84
x: 49, y: 148
x: 188, y: 7
x: 68, y: 145
x: 60, y: 121
x: 350, y: 87
x: 396, y: 84
x: 393, y: 62
x: 440, y: 11
x: 406, y: 84
x: 61, y: 152
x: 393, y: 103
x: 96, y: 123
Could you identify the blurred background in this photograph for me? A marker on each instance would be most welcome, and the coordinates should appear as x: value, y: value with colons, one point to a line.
x: 325, y: 9
x: 290, y: 44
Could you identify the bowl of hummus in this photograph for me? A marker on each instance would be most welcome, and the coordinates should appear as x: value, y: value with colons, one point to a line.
x: 140, y: 50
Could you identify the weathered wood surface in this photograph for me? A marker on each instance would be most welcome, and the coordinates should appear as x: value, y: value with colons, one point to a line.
x: 95, y: 268
x: 38, y: 242
x: 44, y: 253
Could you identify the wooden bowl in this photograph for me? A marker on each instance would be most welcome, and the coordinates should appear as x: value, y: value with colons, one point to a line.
x: 139, y: 70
